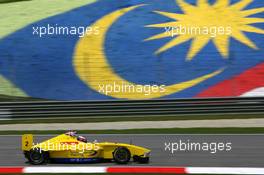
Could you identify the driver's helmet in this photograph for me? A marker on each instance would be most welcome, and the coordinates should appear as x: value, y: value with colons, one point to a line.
x: 71, y: 133
x: 82, y: 139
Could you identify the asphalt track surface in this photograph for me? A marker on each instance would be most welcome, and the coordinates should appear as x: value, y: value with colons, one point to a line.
x: 247, y: 150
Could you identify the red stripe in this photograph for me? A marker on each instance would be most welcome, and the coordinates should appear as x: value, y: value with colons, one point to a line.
x: 238, y: 85
x: 161, y: 170
x: 11, y: 170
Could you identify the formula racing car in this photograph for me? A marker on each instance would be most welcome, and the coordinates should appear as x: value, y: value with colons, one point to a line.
x: 71, y: 148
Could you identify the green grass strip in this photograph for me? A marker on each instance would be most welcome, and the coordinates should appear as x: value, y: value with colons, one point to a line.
x: 76, y: 119
x: 152, y: 131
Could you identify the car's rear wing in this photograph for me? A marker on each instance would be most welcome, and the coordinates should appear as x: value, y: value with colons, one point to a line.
x: 27, y: 142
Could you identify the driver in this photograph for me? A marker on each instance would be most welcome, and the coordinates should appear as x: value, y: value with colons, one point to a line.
x: 82, y: 139
x: 71, y: 133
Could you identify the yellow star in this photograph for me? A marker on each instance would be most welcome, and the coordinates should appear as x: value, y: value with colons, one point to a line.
x: 220, y: 15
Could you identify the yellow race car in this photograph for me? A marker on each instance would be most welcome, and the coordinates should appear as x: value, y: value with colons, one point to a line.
x: 71, y: 148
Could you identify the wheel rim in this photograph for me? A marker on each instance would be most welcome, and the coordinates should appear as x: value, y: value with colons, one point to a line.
x: 36, y: 156
x: 122, y: 155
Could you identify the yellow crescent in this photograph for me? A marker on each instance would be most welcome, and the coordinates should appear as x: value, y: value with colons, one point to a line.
x: 91, y: 65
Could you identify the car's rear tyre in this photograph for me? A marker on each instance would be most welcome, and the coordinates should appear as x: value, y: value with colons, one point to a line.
x: 38, y: 156
x: 121, y: 155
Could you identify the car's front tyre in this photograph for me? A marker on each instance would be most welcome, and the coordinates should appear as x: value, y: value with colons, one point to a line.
x: 121, y: 155
x: 38, y: 156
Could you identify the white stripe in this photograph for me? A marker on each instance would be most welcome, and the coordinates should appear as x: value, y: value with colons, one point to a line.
x: 212, y: 170
x: 189, y: 170
x: 64, y: 170
x: 258, y: 92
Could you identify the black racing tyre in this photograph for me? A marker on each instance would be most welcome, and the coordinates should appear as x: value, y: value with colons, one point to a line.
x: 38, y: 156
x: 121, y: 155
x: 26, y: 154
